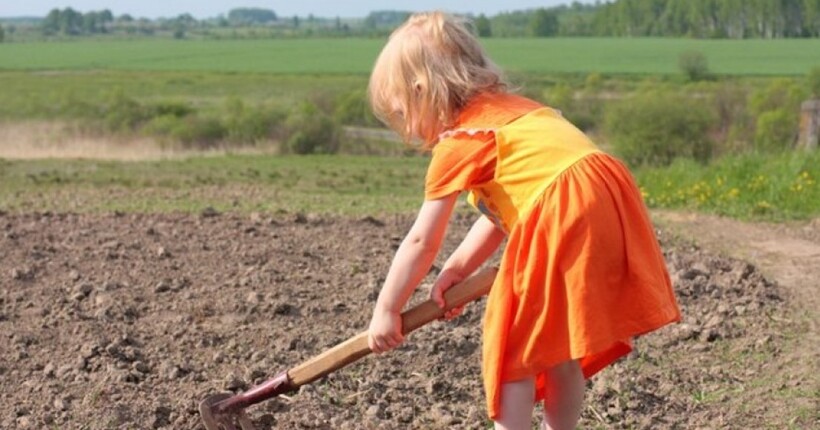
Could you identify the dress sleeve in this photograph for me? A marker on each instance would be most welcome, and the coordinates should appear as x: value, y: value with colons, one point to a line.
x: 456, y: 164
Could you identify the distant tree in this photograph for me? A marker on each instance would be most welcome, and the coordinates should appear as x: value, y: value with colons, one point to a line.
x: 67, y: 21
x: 295, y: 21
x: 51, y: 24
x: 106, y: 16
x: 694, y: 65
x: 511, y: 24
x: 71, y: 21
x: 91, y: 22
x: 2, y: 34
x: 543, y: 23
x: 126, y: 18
x: 245, y: 16
x: 483, y: 26
x: 385, y: 18
x: 186, y: 20
x: 811, y: 17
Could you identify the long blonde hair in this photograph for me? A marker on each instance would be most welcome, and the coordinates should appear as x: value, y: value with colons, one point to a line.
x: 431, y: 66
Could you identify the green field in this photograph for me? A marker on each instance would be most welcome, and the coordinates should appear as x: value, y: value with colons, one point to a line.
x: 771, y: 187
x: 323, y: 184
x: 356, y: 56
x: 66, y: 94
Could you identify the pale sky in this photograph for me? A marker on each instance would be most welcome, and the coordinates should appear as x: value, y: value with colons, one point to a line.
x: 212, y: 8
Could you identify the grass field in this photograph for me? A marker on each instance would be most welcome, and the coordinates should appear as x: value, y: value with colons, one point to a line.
x: 323, y: 184
x: 747, y: 187
x: 356, y: 56
x: 67, y: 93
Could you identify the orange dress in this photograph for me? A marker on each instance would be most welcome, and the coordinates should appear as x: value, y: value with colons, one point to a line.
x: 582, y: 272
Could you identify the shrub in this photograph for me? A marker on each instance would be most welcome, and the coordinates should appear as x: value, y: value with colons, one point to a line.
x: 122, y: 113
x: 776, y: 109
x: 198, y: 132
x: 172, y: 108
x: 312, y: 131
x: 813, y: 79
x: 776, y: 130
x: 249, y: 125
x: 654, y: 129
x: 694, y: 65
x: 735, y: 124
x: 780, y: 93
x: 353, y: 109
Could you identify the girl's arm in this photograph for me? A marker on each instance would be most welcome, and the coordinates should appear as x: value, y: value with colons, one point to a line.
x: 480, y: 243
x: 410, y: 265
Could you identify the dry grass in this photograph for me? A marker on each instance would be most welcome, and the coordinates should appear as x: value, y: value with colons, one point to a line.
x: 31, y: 140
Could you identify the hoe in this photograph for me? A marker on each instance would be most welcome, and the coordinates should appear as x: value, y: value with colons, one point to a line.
x: 226, y: 411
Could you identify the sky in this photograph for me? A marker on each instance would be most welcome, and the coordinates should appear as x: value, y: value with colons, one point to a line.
x: 212, y: 8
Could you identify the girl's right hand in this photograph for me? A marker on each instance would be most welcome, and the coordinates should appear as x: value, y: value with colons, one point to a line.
x: 447, y: 279
x: 385, y: 331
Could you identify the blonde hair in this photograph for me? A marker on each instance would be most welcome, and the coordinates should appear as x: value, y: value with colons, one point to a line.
x: 431, y: 66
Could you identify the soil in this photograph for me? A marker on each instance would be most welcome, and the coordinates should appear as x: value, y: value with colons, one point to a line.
x: 127, y: 321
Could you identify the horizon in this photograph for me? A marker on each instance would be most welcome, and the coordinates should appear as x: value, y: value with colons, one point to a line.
x: 155, y: 9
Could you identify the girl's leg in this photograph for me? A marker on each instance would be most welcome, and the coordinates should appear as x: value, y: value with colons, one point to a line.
x: 517, y: 403
x: 565, y: 396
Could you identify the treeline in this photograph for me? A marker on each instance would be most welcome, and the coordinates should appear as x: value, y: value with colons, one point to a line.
x: 737, y: 19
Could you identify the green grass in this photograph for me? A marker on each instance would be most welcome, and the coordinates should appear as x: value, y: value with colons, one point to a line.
x: 323, y: 184
x: 68, y: 94
x: 751, y: 186
x: 748, y: 187
x: 356, y: 56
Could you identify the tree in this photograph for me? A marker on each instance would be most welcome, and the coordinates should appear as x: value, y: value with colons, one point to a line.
x: 91, y: 22
x: 811, y: 17
x: 385, y: 18
x: 2, y: 34
x: 543, y: 23
x: 694, y: 65
x: 483, y: 26
x: 51, y: 24
x: 251, y: 16
x: 70, y: 21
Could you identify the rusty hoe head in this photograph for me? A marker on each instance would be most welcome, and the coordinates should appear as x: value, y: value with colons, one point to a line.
x: 225, y: 411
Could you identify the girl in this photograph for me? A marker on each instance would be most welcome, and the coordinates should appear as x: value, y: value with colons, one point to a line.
x: 581, y: 273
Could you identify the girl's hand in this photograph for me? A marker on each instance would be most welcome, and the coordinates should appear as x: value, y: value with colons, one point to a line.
x: 446, y: 280
x: 385, y: 331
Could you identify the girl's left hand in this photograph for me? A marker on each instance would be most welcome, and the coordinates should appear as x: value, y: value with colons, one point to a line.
x: 385, y: 331
x: 447, y: 279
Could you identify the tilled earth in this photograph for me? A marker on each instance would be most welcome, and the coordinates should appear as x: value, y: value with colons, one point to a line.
x: 125, y: 321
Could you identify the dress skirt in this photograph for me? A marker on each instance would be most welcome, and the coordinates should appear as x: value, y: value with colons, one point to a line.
x: 581, y: 275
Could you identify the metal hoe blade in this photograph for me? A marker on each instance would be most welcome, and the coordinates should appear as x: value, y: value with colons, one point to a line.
x: 214, y: 420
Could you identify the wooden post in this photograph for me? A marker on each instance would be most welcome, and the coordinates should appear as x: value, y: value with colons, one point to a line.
x: 809, y: 124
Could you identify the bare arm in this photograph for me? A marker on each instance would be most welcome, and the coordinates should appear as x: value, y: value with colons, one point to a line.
x: 410, y: 265
x: 480, y: 243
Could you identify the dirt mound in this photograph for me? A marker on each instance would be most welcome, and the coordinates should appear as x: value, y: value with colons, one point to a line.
x: 128, y: 321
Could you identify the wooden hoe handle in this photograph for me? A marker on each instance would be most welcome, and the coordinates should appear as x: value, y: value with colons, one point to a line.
x: 356, y: 347
x: 342, y: 354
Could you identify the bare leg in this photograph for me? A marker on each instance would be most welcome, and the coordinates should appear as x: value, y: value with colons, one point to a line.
x: 565, y: 396
x: 517, y: 403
